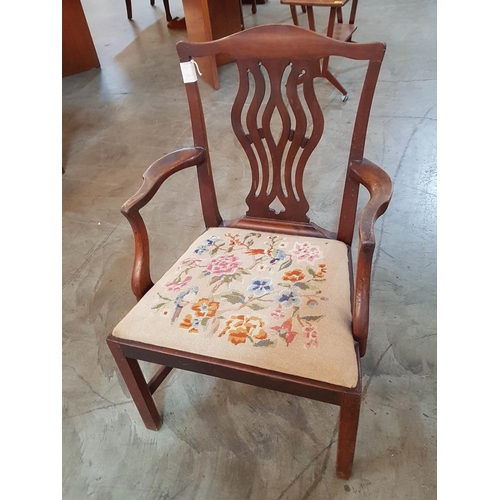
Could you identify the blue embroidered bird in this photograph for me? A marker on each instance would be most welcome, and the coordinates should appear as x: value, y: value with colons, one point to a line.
x: 180, y: 302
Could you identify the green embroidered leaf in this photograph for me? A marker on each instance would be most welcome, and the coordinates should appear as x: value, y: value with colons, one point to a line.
x: 302, y: 286
x: 250, y: 243
x: 237, y: 276
x: 287, y: 285
x: 264, y: 343
x: 255, y: 307
x: 230, y: 249
x: 163, y: 298
x: 204, y: 321
x: 286, y: 264
x: 159, y: 305
x: 234, y: 297
x: 311, y: 318
x: 311, y: 272
x: 244, y: 271
x: 213, y: 251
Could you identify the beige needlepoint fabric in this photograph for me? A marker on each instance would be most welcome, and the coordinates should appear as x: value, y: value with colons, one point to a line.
x: 273, y: 301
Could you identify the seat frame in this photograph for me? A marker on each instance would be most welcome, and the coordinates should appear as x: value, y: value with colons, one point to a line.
x: 245, y: 47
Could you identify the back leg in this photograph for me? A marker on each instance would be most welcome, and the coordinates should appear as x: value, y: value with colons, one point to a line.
x: 348, y: 431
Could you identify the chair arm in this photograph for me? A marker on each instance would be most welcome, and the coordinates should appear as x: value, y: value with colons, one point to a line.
x: 379, y: 186
x: 154, y: 177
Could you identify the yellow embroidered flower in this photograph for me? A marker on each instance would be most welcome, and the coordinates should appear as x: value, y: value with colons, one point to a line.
x: 239, y: 329
x: 190, y: 324
x: 294, y: 276
x: 205, y: 308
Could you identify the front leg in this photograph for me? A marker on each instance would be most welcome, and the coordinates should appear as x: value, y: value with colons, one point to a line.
x: 137, y: 386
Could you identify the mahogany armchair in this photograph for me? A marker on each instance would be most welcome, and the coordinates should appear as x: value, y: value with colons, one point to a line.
x: 269, y: 299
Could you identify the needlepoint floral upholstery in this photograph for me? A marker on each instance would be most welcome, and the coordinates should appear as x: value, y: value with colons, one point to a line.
x: 277, y: 302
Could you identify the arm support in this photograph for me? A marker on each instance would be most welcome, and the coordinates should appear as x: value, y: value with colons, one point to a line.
x: 154, y: 177
x: 379, y: 185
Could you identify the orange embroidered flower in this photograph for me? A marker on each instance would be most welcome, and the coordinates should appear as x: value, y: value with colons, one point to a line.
x: 321, y: 273
x: 261, y: 335
x: 294, y: 276
x: 238, y: 336
x: 256, y: 251
x: 204, y: 308
x: 239, y: 329
x: 189, y: 324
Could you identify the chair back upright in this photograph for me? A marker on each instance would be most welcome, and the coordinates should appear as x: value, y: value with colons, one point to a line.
x: 277, y: 119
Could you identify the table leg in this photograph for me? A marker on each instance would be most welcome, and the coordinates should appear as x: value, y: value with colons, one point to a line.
x: 310, y: 18
x: 334, y: 12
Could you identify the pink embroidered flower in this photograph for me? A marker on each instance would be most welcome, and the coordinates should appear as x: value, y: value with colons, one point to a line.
x: 224, y: 264
x: 311, y: 336
x: 278, y: 313
x: 175, y: 286
x: 285, y: 331
x: 306, y: 251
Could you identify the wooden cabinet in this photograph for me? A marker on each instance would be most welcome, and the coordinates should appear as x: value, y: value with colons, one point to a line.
x: 208, y: 20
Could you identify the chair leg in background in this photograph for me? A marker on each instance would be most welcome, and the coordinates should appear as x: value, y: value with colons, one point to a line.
x: 137, y: 386
x: 128, y: 4
x: 348, y: 431
x: 332, y: 79
x: 167, y: 10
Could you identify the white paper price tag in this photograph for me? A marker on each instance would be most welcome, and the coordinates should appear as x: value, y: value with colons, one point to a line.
x: 188, y: 70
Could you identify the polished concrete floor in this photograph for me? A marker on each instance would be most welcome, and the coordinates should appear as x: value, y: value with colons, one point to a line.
x: 223, y: 440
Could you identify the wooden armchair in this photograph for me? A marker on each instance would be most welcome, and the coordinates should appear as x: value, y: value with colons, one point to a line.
x: 341, y: 33
x: 269, y: 299
x: 128, y: 5
x: 338, y: 30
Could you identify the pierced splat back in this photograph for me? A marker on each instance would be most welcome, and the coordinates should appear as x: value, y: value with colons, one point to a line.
x: 277, y: 155
x: 276, y: 115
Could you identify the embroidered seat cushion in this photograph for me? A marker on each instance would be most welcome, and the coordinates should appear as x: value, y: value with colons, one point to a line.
x: 272, y: 301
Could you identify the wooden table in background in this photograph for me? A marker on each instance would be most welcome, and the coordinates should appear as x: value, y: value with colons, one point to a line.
x: 78, y: 51
x: 208, y: 20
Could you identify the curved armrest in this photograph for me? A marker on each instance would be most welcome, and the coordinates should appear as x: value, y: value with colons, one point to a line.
x: 154, y: 177
x: 379, y: 185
